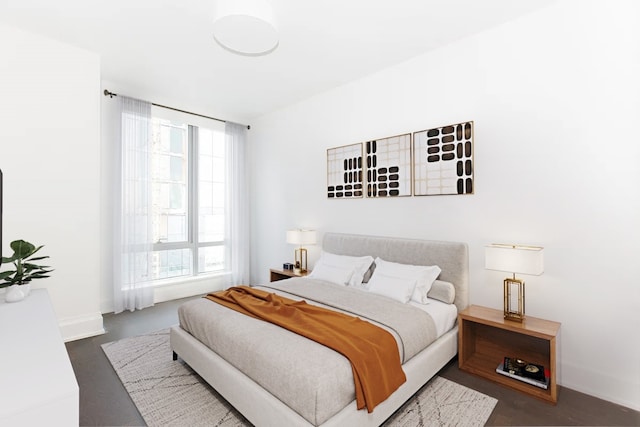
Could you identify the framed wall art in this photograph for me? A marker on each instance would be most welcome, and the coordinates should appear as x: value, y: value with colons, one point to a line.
x: 443, y: 160
x: 345, y: 172
x: 388, y: 166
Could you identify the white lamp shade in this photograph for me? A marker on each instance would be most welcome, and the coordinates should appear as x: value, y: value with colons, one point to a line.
x: 245, y: 27
x: 301, y: 237
x: 514, y: 259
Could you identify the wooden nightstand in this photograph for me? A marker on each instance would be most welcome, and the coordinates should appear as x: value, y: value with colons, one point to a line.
x: 485, y: 338
x: 276, y: 274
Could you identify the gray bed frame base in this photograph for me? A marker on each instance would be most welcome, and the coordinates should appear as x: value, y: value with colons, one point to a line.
x: 262, y: 409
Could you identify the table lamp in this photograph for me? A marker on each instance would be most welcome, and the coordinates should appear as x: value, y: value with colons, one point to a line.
x: 514, y: 259
x: 301, y: 237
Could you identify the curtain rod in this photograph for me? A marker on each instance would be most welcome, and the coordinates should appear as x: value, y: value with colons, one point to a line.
x: 111, y: 95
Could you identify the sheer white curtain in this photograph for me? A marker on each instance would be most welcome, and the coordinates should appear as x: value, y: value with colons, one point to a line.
x: 132, y: 225
x: 237, y: 202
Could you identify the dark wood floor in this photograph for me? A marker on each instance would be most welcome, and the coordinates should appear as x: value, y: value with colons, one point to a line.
x: 104, y: 401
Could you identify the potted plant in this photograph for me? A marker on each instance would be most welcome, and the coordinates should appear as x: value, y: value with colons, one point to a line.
x: 19, y: 279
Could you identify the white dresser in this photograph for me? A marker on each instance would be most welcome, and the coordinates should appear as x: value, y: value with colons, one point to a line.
x: 37, y: 383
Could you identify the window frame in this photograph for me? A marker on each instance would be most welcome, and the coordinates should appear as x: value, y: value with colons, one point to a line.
x: 193, y: 204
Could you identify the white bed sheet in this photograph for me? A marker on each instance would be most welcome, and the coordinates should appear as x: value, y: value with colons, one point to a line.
x: 444, y: 315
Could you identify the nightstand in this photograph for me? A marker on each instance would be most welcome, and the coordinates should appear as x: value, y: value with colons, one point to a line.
x: 485, y: 338
x: 276, y: 274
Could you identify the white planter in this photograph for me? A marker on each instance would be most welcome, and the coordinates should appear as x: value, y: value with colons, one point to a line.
x: 14, y: 293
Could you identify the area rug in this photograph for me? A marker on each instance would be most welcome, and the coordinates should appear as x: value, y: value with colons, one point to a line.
x: 170, y: 393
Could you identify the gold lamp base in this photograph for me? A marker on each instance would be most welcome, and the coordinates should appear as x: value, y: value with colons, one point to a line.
x: 300, y: 260
x: 514, y: 299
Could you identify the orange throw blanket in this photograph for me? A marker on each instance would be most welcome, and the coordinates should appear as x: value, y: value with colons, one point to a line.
x: 372, y: 351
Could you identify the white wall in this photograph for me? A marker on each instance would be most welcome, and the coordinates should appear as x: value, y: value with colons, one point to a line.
x: 555, y: 99
x: 49, y: 153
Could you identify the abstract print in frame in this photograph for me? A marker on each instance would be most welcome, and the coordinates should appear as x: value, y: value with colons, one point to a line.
x: 389, y: 166
x: 344, y: 172
x: 443, y: 160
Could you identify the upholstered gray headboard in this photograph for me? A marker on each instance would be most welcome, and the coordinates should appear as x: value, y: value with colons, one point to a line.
x: 451, y: 257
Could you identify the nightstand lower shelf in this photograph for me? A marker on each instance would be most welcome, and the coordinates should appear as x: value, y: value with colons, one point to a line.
x: 486, y: 367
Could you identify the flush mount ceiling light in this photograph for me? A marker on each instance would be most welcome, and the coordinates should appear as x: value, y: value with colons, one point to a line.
x: 245, y: 27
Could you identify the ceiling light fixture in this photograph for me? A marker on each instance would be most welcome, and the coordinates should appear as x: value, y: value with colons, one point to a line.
x: 245, y: 27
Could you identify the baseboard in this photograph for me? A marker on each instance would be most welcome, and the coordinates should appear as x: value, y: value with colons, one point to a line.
x: 78, y: 327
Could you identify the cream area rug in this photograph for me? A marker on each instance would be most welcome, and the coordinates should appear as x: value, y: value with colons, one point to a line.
x: 169, y: 393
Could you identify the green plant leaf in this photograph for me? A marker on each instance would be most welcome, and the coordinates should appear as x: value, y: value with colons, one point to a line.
x: 25, y: 268
x: 32, y: 252
x: 22, y: 249
x: 39, y: 258
x: 29, y: 266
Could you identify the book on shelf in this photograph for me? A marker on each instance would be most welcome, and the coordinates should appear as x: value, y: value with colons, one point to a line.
x: 530, y: 373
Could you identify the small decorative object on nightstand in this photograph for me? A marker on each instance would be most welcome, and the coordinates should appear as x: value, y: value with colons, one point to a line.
x: 514, y: 259
x: 301, y: 237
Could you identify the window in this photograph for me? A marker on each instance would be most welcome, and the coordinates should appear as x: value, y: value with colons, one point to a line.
x: 188, y: 198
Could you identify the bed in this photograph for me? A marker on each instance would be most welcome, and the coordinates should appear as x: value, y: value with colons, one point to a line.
x: 239, y: 358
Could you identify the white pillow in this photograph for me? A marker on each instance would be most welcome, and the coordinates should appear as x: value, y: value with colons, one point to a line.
x: 423, y: 275
x: 357, y: 265
x: 392, y: 287
x: 330, y: 273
